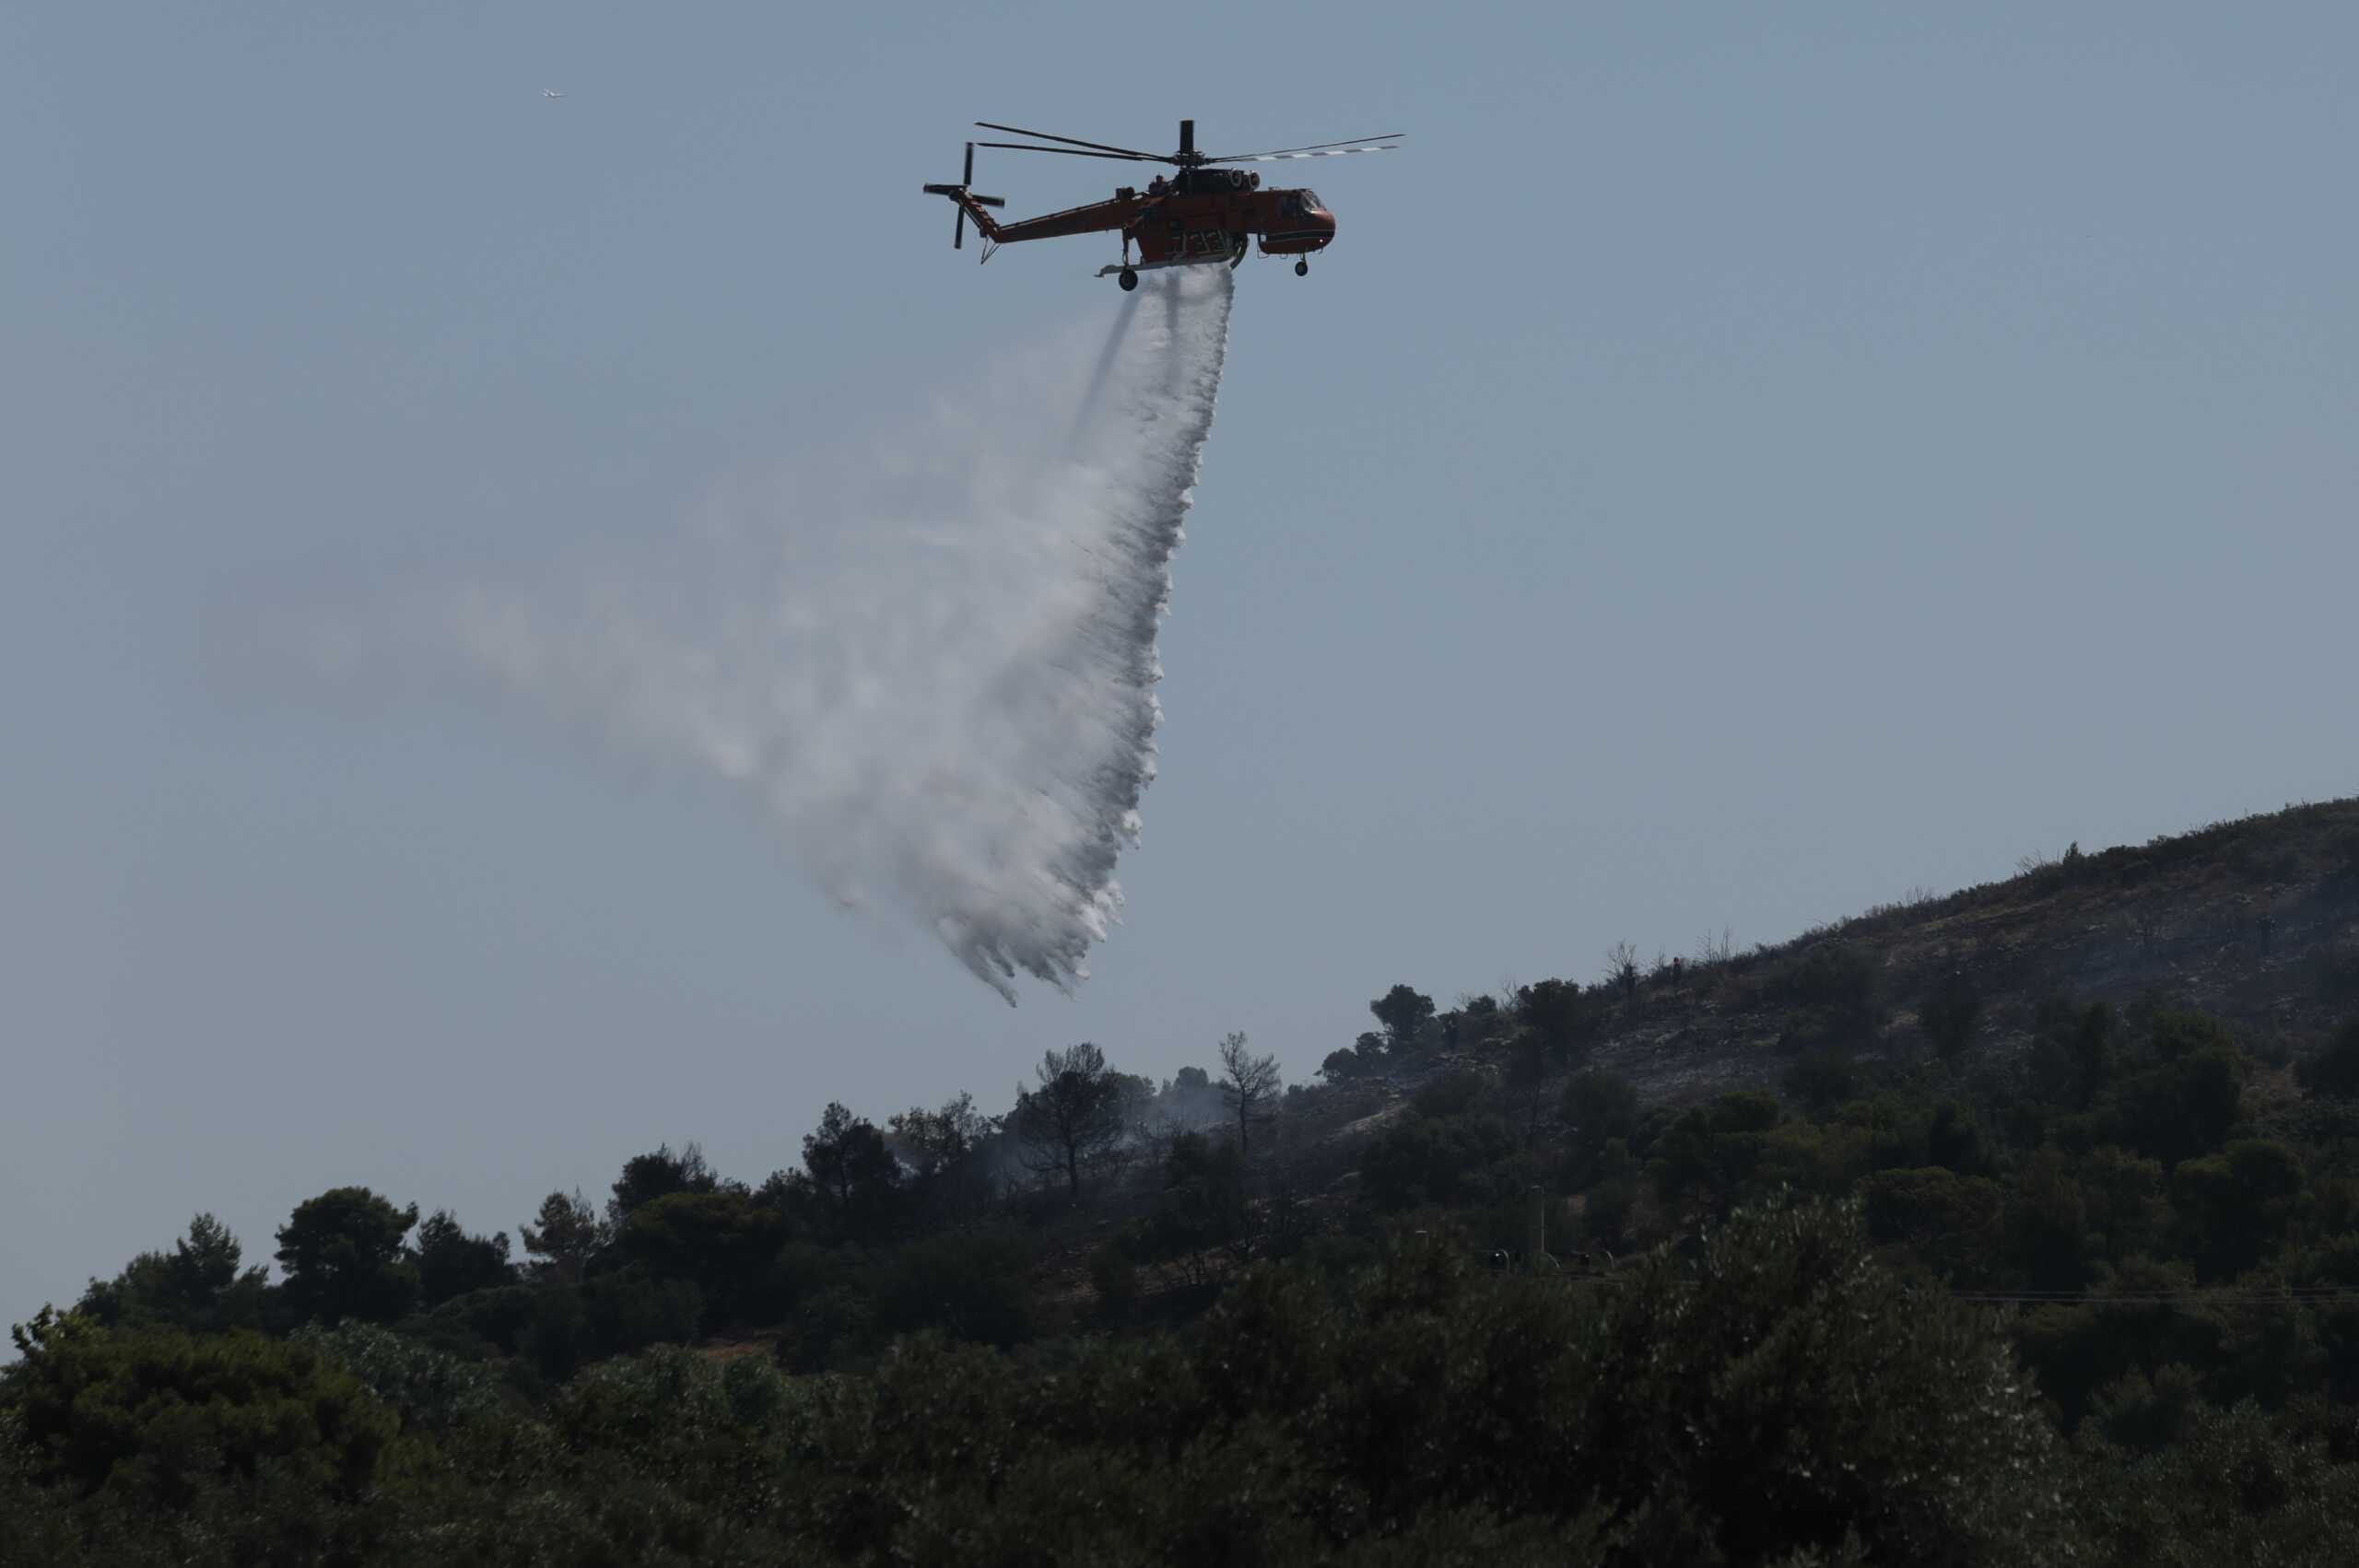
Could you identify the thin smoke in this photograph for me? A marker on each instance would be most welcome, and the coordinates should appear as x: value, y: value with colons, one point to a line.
x: 930, y: 660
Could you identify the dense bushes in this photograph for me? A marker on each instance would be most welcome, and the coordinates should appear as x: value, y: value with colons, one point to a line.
x: 1428, y: 1413
x: 158, y: 1413
x: 2335, y: 1069
x: 1447, y: 1159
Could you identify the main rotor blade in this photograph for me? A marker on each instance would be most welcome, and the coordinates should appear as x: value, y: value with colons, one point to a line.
x: 1282, y: 156
x: 1317, y: 149
x: 1069, y: 141
x: 1076, y: 152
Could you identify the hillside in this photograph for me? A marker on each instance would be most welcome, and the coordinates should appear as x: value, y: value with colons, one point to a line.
x: 2254, y: 921
x: 2047, y: 1189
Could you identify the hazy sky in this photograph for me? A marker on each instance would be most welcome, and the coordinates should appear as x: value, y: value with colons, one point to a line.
x: 1730, y: 469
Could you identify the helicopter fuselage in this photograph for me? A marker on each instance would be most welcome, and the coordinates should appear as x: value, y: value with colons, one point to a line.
x: 1202, y: 215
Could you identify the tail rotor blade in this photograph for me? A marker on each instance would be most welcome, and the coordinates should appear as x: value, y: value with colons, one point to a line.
x: 958, y: 235
x: 968, y: 178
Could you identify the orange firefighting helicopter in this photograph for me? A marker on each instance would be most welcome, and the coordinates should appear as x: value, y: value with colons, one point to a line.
x: 1203, y: 213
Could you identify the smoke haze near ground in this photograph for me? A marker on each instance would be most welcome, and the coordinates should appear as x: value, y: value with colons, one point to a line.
x: 930, y: 657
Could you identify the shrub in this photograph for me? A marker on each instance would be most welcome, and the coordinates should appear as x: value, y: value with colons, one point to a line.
x: 1950, y: 1222
x: 559, y: 1337
x: 496, y: 1318
x: 2181, y: 1107
x: 1824, y: 1078
x: 629, y: 1310
x: 160, y: 1413
x: 2342, y: 855
x: 429, y: 1389
x: 1599, y: 1107
x: 1116, y: 1280
x: 1711, y: 1150
x: 1429, y: 1160
x: 976, y: 1288
x: 1203, y: 1202
x: 1833, y: 974
x: 1448, y: 1095
x: 1809, y: 1394
x: 1950, y: 1013
x: 833, y: 1326
x: 2233, y: 1487
x: 2334, y: 1072
x: 2332, y: 970
x: 722, y: 1241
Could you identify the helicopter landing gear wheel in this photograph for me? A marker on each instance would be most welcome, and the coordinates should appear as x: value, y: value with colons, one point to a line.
x: 1128, y: 280
x: 1302, y: 269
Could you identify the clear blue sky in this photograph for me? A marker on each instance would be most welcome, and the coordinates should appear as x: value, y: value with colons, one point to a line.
x: 1731, y: 468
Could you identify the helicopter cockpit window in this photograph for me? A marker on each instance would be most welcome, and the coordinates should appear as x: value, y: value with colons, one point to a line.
x: 1311, y: 203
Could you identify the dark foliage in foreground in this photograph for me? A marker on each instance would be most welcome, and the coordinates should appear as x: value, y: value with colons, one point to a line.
x: 1415, y: 1410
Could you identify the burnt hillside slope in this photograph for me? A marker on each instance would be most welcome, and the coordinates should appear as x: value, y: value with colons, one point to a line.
x: 2254, y: 921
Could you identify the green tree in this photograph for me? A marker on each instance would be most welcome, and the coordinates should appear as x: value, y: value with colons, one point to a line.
x: 2334, y: 1070
x: 198, y: 1286
x: 1404, y: 1013
x: 563, y: 1236
x: 1449, y: 1094
x: 1953, y: 1139
x: 1711, y: 1150
x: 157, y: 1414
x: 1527, y: 1078
x: 1949, y: 1222
x: 856, y: 1177
x: 968, y: 1287
x: 2230, y: 1486
x: 1116, y: 1279
x: 2073, y: 1054
x: 2124, y: 1195
x: 1071, y: 1117
x: 1599, y: 1108
x: 1810, y: 1396
x: 1247, y: 1083
x: 1343, y: 1065
x: 1824, y: 1078
x: 342, y: 1257
x: 1201, y: 1208
x: 659, y: 1175
x: 2235, y: 1205
x: 1556, y: 1012
x: 1950, y: 1013
x: 451, y: 1262
x: 2047, y: 1223
x: 2183, y: 1106
x: 1429, y: 1159
x: 722, y: 1241
x: 631, y: 1307
x: 946, y: 1151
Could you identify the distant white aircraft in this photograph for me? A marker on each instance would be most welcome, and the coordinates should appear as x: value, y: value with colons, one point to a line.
x: 551, y: 92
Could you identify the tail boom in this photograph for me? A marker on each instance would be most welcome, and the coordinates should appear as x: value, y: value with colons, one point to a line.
x: 973, y: 207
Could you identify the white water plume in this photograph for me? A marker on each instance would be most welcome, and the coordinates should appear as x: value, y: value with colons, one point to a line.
x: 931, y: 660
